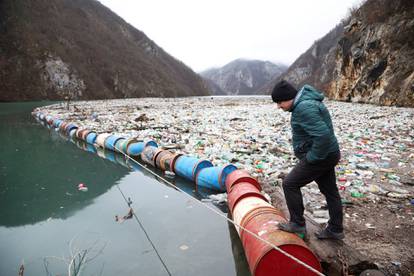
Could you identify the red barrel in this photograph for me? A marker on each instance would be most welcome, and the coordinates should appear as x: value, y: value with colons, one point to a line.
x: 245, y: 206
x: 264, y: 260
x: 240, y: 191
x: 239, y: 176
x: 260, y: 211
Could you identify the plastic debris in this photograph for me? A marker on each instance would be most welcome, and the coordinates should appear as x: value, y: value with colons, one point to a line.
x: 169, y: 174
x: 82, y: 187
x: 377, y: 154
x: 218, y: 198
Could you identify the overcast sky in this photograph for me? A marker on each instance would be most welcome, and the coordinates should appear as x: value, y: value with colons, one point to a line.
x: 205, y: 34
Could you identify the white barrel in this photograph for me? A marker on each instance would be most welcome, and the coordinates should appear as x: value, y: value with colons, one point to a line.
x: 100, y: 140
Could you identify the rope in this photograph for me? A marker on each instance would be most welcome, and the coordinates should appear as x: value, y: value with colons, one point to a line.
x: 226, y: 218
x: 145, y: 232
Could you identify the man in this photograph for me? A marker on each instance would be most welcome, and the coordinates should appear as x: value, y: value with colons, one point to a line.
x: 316, y: 147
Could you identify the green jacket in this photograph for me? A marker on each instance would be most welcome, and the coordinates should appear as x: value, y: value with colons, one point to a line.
x: 313, y: 136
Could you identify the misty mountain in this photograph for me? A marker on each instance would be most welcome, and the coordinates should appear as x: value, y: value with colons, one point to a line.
x: 52, y: 49
x: 368, y: 57
x: 243, y: 77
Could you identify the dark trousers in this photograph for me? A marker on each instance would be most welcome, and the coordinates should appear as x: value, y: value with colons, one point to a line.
x: 323, y: 173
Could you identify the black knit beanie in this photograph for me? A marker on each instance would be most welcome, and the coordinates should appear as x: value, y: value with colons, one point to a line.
x: 283, y: 91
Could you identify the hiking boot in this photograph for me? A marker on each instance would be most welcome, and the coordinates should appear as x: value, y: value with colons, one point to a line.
x: 328, y: 234
x: 292, y: 227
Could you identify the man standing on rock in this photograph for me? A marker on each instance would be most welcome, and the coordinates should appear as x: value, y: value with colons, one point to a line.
x: 316, y: 147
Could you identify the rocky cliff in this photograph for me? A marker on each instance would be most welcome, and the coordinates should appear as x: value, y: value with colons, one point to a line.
x: 243, y: 77
x: 368, y: 58
x: 52, y: 49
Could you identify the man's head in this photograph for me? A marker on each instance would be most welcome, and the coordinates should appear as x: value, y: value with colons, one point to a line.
x: 284, y: 94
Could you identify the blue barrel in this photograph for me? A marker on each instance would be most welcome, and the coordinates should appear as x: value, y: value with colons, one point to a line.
x: 188, y: 167
x: 136, y: 149
x: 111, y: 141
x: 123, y: 147
x: 214, y: 177
x: 70, y: 127
x: 91, y: 137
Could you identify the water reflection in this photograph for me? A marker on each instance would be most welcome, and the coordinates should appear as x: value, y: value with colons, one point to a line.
x: 39, y: 171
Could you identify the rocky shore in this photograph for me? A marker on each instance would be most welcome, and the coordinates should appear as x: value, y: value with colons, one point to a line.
x: 375, y: 175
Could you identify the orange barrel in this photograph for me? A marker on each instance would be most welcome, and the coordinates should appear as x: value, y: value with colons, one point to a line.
x: 263, y: 259
x: 246, y: 205
x: 66, y: 128
x: 100, y: 140
x: 167, y: 162
x: 160, y: 155
x: 149, y: 154
x: 62, y: 126
x: 239, y: 176
x: 240, y: 191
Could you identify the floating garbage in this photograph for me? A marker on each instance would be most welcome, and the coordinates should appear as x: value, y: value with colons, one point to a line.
x: 250, y: 133
x: 82, y: 187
